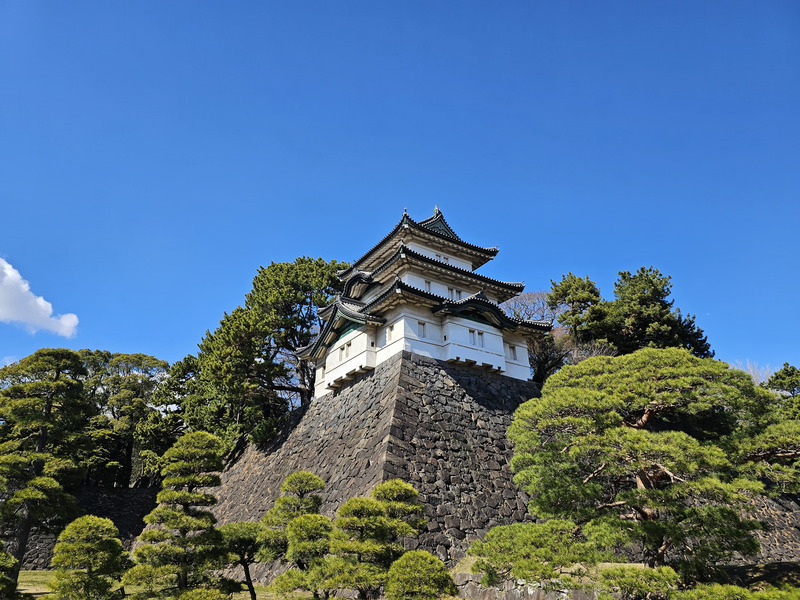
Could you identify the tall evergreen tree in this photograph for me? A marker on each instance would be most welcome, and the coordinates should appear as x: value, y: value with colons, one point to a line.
x: 182, y: 546
x: 577, y: 302
x: 42, y: 412
x: 641, y: 316
x: 121, y: 386
x: 785, y: 380
x: 246, y: 376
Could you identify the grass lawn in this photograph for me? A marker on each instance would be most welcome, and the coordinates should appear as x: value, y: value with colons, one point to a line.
x: 35, y: 582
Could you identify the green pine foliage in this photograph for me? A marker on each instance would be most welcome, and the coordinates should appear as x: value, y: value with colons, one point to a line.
x: 769, y: 448
x: 635, y: 583
x: 121, y: 387
x: 641, y: 315
x: 298, y: 497
x: 578, y: 301
x: 181, y: 546
x: 634, y: 449
x: 242, y: 542
x: 368, y: 535
x: 309, y: 540
x: 42, y: 412
x: 544, y: 552
x: 8, y: 573
x: 246, y: 376
x: 89, y: 560
x: 356, y: 551
x: 418, y: 575
x: 787, y: 380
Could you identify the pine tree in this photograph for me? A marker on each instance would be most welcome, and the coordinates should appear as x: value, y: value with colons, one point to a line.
x: 298, y: 497
x: 181, y: 543
x: 634, y: 448
x: 241, y: 540
x: 42, y: 411
x: 418, y: 575
x: 368, y: 536
x: 89, y: 560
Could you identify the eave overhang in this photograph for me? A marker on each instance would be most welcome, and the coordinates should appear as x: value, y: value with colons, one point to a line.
x: 344, y: 304
x: 432, y: 231
x: 359, y: 283
x: 478, y: 305
x: 339, y: 316
x: 401, y: 293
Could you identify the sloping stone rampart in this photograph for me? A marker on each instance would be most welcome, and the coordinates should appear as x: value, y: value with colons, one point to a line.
x: 449, y: 441
x: 439, y: 426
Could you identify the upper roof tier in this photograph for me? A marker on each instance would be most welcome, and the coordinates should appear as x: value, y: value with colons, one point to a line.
x: 433, y: 231
x: 360, y: 281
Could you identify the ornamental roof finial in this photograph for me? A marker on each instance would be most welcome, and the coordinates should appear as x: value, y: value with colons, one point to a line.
x: 405, y: 212
x: 436, y: 210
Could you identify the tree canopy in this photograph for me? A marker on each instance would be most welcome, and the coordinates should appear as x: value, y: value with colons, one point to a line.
x: 641, y: 315
x: 246, y: 376
x: 89, y: 560
x: 634, y: 448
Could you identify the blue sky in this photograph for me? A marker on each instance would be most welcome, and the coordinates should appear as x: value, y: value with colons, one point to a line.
x: 153, y: 155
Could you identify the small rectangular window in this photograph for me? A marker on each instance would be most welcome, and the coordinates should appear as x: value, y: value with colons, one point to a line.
x: 389, y: 332
x: 427, y: 286
x: 472, y: 336
x: 445, y: 259
x: 347, y: 349
x: 421, y: 329
x: 438, y: 257
x: 480, y: 339
x: 451, y: 293
x: 341, y: 353
x: 512, y: 350
x: 458, y: 294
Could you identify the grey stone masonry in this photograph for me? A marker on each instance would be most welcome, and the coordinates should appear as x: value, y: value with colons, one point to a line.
x: 438, y: 426
x: 126, y: 507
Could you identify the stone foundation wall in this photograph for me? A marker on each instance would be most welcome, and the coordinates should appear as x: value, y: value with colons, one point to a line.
x: 449, y: 441
x: 341, y: 437
x: 126, y: 507
x: 438, y: 426
x: 469, y: 586
x: 780, y: 542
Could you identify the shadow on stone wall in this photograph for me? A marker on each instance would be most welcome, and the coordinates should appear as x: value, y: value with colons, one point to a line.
x: 126, y: 507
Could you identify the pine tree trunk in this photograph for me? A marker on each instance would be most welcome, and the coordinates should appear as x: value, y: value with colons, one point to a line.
x: 249, y: 581
x: 23, y: 535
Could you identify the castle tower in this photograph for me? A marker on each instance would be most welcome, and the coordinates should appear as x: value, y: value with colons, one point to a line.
x: 419, y: 372
x: 417, y: 291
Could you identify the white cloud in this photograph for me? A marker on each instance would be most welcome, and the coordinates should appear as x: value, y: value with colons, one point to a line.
x: 19, y: 305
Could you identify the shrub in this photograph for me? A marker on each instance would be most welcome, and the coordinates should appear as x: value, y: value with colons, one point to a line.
x: 418, y: 575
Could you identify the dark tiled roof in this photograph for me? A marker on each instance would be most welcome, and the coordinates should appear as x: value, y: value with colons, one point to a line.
x: 488, y: 253
x: 482, y: 304
x: 511, y: 287
x: 337, y: 311
x: 478, y: 302
x: 399, y: 286
x: 438, y: 224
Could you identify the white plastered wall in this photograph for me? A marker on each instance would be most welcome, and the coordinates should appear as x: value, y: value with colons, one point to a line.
x: 448, y: 339
x: 441, y: 256
x: 351, y: 354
